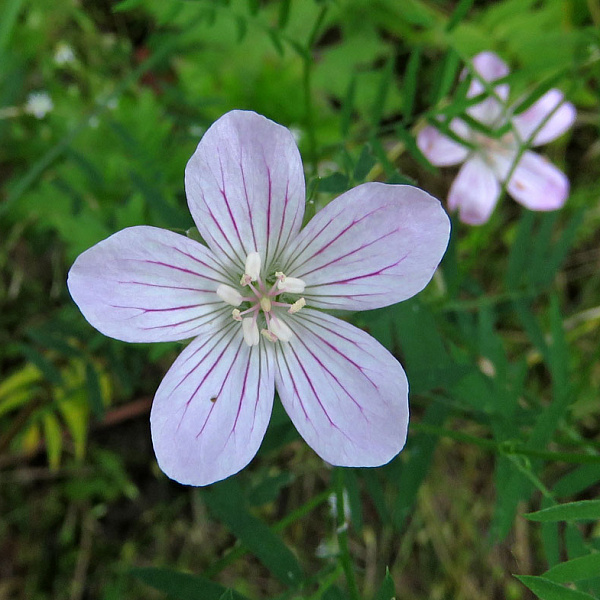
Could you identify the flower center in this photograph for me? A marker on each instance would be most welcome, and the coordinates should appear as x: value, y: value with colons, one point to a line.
x: 260, y: 302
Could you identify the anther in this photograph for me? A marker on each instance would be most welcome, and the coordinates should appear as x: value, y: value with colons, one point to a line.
x: 281, y: 330
x: 229, y: 295
x: 235, y: 313
x: 251, y: 269
x: 269, y: 335
x: 250, y: 331
x: 293, y: 285
x: 294, y: 308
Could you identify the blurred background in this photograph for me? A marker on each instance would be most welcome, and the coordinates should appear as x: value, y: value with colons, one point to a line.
x: 101, y: 105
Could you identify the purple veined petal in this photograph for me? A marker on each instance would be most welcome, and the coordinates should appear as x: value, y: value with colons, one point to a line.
x: 474, y: 192
x: 440, y: 149
x: 561, y: 120
x: 375, y: 245
x: 145, y: 284
x: 212, y: 409
x: 345, y: 393
x: 537, y: 184
x: 490, y: 67
x: 245, y: 187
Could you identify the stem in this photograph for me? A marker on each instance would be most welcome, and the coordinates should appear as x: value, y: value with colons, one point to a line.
x: 342, y: 533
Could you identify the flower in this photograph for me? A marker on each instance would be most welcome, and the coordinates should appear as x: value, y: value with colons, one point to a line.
x: 535, y: 182
x: 38, y: 104
x: 252, y: 299
x: 64, y: 54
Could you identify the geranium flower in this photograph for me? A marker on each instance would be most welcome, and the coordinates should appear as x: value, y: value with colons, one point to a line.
x: 535, y: 182
x: 253, y: 301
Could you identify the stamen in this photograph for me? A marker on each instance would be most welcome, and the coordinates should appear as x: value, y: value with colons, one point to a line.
x: 252, y: 268
x: 294, y: 308
x: 229, y: 295
x: 269, y: 335
x: 293, y: 285
x: 250, y: 331
x: 281, y: 330
x: 236, y: 314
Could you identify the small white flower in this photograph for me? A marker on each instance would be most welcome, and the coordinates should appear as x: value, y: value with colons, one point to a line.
x: 64, y: 55
x: 38, y: 104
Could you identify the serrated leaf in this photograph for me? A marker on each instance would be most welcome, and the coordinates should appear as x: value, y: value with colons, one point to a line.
x: 548, y: 590
x: 584, y: 510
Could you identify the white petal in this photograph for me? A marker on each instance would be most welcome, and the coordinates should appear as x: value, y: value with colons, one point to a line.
x: 537, y: 184
x: 441, y: 150
x: 211, y: 411
x: 145, y: 284
x: 374, y: 245
x: 245, y: 187
x: 346, y: 394
x: 474, y: 192
x: 561, y: 120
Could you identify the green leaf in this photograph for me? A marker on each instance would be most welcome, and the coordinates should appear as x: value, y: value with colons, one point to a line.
x: 334, y: 183
x: 365, y: 163
x: 94, y: 391
x: 378, y: 107
x: 548, y: 590
x: 182, y: 586
x: 584, y: 510
x: 127, y: 5
x: 409, y: 87
x: 460, y: 12
x: 348, y: 107
x: 387, y: 590
x: 225, y: 501
x: 577, y: 569
x: 54, y: 440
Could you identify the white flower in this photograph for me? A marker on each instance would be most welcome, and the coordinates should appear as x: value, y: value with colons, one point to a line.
x: 39, y: 104
x: 64, y: 54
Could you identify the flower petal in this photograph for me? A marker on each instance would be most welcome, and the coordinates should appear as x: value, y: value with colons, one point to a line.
x: 372, y: 246
x: 474, y: 192
x: 145, y: 284
x: 490, y: 67
x: 441, y: 150
x: 537, y: 184
x: 245, y: 187
x: 345, y: 393
x: 212, y: 409
x: 561, y: 120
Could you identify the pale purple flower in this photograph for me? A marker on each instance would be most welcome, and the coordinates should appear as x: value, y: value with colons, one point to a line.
x: 535, y: 182
x: 252, y: 299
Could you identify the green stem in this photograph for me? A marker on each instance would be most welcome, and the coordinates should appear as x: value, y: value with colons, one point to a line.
x: 507, y: 448
x: 342, y: 535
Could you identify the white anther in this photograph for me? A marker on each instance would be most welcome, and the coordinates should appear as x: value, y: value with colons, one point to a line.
x: 235, y: 313
x: 229, y: 295
x: 294, y: 308
x: 281, y: 330
x: 265, y: 303
x: 269, y: 335
x: 252, y: 268
x: 293, y: 285
x: 250, y: 331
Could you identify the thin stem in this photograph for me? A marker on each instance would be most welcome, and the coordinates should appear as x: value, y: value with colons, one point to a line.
x: 342, y: 535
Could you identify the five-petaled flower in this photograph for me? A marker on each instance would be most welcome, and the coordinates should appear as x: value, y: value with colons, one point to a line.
x: 252, y: 299
x: 535, y: 182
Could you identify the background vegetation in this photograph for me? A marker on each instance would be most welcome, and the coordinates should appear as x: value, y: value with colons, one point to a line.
x: 501, y: 349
